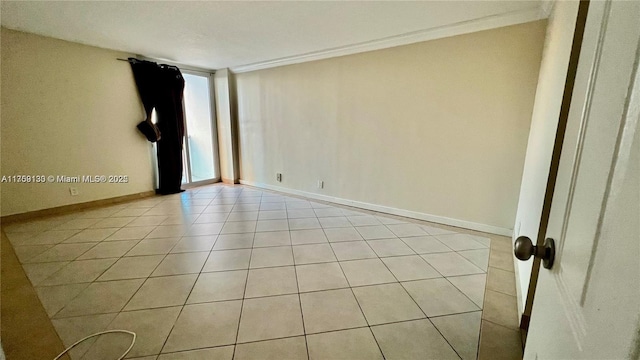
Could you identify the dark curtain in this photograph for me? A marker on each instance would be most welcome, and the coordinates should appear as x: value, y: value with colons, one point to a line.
x: 161, y: 87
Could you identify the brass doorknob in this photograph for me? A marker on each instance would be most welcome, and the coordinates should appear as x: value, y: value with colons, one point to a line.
x: 523, y: 249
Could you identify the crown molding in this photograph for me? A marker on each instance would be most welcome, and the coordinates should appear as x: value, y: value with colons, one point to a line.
x: 465, y: 27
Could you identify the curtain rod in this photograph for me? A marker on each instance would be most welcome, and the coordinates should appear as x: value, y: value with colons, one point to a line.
x: 179, y: 66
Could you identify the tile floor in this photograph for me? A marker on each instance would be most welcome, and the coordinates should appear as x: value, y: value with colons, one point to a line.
x: 231, y: 272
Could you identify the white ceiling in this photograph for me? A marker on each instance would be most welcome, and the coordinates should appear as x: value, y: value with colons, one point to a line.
x: 217, y: 34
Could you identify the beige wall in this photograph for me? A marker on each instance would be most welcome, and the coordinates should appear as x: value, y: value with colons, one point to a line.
x: 544, y: 123
x: 437, y: 128
x: 68, y: 109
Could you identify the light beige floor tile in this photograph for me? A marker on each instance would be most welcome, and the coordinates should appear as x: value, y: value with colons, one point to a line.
x: 459, y: 242
x: 298, y: 204
x: 151, y: 327
x: 241, y: 207
x: 375, y: 232
x: 184, y: 263
x: 294, y: 348
x: 314, y: 253
x: 387, y: 303
x: 462, y: 331
x: 62, y: 252
x: 112, y: 222
x: 390, y: 247
x: 180, y: 219
x: 153, y: 247
x: 270, y: 318
x: 433, y: 230
x: 451, y: 264
x: 413, y: 267
x: 228, y: 260
x: 320, y: 277
x: 300, y: 213
x: 486, y: 241
x: 106, y: 250
x: 438, y: 297
x: 335, y: 222
x: 416, y: 339
x: 161, y: 292
x: 76, y: 224
x: 212, y: 218
x: 132, y: 267
x: 234, y: 241
x: 366, y: 272
x: 91, y: 235
x: 44, y: 238
x: 25, y: 253
x: 194, y: 244
x: 312, y: 236
x: 330, y: 310
x: 275, y: 205
x: 271, y: 281
x: 389, y: 221
x: 205, y: 325
x: 472, y: 286
x: 500, y: 309
x: 218, y: 208
x: 327, y: 211
x: 73, y: 329
x: 24, y: 238
x: 304, y: 224
x: 479, y: 258
x: 147, y: 220
x: 168, y: 231
x: 272, y: 225
x: 130, y: 212
x: 342, y: 234
x: 204, y: 229
x: 238, y: 227
x: 501, y: 260
x: 130, y: 233
x: 354, y: 344
x: 272, y: 215
x: 363, y: 220
x: 501, y: 281
x: 407, y: 230
x: 218, y: 286
x: 426, y: 244
x: 38, y: 272
x: 99, y: 213
x: 319, y: 205
x: 353, y: 250
x: 271, y: 256
x: 31, y: 226
x: 54, y: 298
x: 502, y: 244
x: 79, y: 271
x: 217, y: 353
x: 499, y: 343
x: 272, y: 238
x: 101, y: 298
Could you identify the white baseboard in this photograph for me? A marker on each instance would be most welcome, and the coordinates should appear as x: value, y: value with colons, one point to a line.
x: 389, y: 210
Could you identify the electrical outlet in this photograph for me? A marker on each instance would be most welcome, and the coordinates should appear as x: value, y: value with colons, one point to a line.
x: 279, y: 177
x: 73, y: 191
x: 320, y: 184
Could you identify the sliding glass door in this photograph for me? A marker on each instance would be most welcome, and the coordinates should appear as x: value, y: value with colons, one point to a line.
x: 200, y: 146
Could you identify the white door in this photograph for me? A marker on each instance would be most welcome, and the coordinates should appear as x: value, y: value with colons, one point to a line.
x: 588, y: 304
